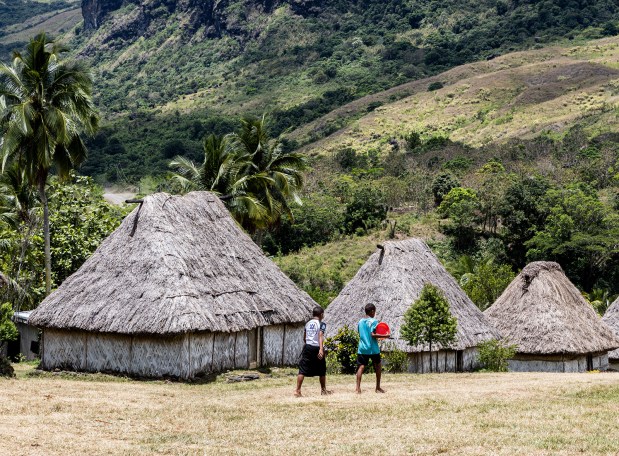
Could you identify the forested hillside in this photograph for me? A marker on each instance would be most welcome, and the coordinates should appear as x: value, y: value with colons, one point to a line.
x: 22, y: 19
x: 171, y: 71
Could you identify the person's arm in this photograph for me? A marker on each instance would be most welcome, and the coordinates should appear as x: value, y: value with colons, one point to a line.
x: 321, y: 340
x: 304, y: 335
x: 373, y: 330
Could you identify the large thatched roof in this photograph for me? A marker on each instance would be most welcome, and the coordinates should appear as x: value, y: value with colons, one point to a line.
x: 176, y: 264
x: 611, y: 318
x: 393, y: 281
x: 543, y: 313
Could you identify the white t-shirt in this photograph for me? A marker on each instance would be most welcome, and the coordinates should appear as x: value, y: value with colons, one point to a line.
x: 312, y: 330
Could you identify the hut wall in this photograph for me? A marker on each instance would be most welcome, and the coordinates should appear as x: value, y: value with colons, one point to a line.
x: 27, y: 335
x: 107, y: 353
x: 442, y: 361
x: 201, y: 352
x: 181, y: 356
x: 273, y: 345
x: 241, y: 350
x: 64, y: 349
x: 223, y: 352
x: 158, y: 357
x: 293, y: 344
x: 557, y: 363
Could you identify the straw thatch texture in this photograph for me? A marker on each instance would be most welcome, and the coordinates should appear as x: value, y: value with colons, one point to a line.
x: 543, y: 313
x: 177, y: 264
x: 393, y: 280
x: 611, y: 318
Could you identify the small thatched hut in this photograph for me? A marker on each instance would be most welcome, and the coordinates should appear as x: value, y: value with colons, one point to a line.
x: 611, y: 318
x: 392, y: 279
x: 177, y: 290
x: 555, y: 329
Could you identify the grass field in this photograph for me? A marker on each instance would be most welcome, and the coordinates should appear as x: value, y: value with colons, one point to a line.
x: 479, y: 413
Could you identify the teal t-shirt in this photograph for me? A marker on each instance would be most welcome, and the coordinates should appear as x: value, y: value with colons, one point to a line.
x: 368, y: 345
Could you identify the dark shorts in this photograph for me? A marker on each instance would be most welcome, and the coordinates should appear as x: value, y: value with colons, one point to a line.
x: 310, y: 365
x: 364, y: 360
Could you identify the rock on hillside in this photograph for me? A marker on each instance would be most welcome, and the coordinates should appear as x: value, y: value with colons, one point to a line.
x: 215, y: 15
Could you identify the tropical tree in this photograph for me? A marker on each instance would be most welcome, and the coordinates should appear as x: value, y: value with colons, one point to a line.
x: 45, y: 108
x: 275, y: 176
x: 222, y: 172
x: 253, y: 174
x: 429, y: 321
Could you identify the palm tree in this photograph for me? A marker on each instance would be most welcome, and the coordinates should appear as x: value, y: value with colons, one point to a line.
x: 45, y: 107
x: 281, y: 172
x: 253, y: 175
x: 221, y: 172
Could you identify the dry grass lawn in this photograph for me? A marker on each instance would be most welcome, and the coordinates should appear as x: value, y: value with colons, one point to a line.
x: 478, y: 413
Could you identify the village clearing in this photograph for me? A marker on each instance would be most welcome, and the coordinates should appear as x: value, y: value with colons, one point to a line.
x: 472, y: 413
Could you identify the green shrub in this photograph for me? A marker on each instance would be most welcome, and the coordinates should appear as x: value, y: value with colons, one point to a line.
x: 333, y: 363
x: 395, y: 359
x: 344, y: 347
x: 435, y: 86
x: 6, y: 369
x: 493, y: 354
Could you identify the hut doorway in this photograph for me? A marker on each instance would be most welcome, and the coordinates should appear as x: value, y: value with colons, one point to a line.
x: 589, y: 362
x: 460, y: 361
x: 255, y: 342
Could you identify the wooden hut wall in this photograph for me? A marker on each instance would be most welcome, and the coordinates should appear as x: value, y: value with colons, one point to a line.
x: 443, y: 361
x: 180, y: 356
x: 27, y: 335
x: 293, y: 344
x: 558, y: 363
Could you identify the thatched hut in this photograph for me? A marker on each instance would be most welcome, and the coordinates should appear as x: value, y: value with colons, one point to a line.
x: 392, y: 279
x: 177, y: 290
x: 555, y: 329
x: 611, y: 318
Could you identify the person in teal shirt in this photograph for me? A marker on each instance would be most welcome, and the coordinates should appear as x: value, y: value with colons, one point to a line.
x: 368, y: 347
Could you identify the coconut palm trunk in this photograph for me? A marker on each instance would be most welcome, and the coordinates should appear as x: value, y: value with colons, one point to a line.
x: 46, y: 235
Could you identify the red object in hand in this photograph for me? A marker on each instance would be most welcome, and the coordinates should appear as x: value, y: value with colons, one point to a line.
x: 382, y: 329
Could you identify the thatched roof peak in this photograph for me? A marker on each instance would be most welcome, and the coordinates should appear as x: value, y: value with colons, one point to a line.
x: 176, y: 264
x: 543, y: 313
x: 392, y: 279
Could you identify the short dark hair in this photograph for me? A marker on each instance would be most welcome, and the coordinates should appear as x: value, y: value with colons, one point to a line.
x: 318, y: 311
x: 369, y: 308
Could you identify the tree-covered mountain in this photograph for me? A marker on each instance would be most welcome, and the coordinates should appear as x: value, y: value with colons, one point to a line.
x: 171, y: 71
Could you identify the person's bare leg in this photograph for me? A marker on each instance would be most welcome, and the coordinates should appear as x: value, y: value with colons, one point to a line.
x: 323, y: 386
x: 359, y: 375
x: 378, y: 368
x: 300, y: 378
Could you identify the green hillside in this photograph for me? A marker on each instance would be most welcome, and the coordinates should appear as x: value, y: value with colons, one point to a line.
x: 21, y: 19
x: 170, y: 72
x: 517, y: 96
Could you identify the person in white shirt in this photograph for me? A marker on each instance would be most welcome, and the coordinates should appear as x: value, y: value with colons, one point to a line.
x: 313, y: 362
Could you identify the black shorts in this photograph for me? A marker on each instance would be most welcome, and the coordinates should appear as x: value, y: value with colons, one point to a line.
x: 309, y: 364
x: 364, y: 360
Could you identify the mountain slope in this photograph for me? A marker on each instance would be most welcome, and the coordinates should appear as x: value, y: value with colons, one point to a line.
x: 171, y: 71
x: 21, y: 19
x: 517, y: 96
